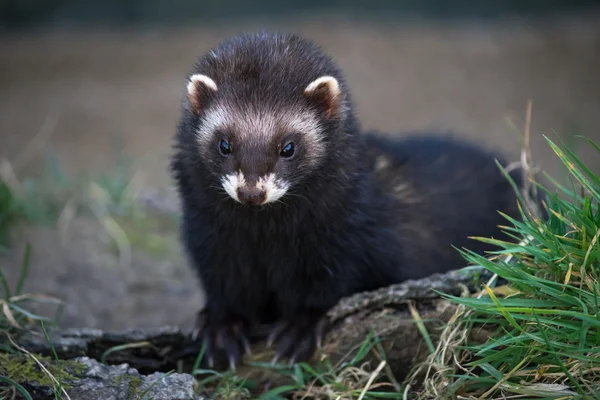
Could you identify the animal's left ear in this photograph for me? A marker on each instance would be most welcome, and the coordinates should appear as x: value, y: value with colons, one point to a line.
x: 200, y: 89
x: 325, y: 92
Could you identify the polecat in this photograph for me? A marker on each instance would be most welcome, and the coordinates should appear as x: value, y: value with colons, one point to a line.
x: 287, y: 207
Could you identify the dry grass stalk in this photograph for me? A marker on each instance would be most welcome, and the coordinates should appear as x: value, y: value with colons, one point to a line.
x: 446, y: 360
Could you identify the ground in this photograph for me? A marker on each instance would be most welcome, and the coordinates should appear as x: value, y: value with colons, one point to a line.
x: 86, y: 95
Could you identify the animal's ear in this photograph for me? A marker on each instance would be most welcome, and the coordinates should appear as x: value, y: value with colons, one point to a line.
x: 325, y: 92
x: 199, y: 89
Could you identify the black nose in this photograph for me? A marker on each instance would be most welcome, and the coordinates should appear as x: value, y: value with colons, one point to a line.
x: 251, y: 195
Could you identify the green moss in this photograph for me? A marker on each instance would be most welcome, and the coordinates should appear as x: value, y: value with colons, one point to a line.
x: 74, y: 367
x: 232, y: 393
x: 24, y: 369
x: 133, y: 383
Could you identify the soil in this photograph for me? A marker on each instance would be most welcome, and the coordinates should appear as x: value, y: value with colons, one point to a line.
x: 94, y: 87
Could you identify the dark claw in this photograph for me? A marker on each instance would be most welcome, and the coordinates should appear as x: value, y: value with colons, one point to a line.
x: 292, y: 360
x: 320, y: 332
x: 298, y: 339
x: 238, y: 331
x: 275, y: 359
x: 208, y: 353
x: 232, y: 363
x: 246, y: 345
x: 225, y: 341
x: 199, y: 324
x: 275, y: 333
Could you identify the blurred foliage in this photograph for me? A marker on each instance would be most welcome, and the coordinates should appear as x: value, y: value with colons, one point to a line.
x: 15, y: 14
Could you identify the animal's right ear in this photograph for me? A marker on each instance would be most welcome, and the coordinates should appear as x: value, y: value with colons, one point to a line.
x: 199, y: 89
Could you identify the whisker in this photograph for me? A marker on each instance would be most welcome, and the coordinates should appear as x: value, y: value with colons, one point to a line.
x: 297, y: 195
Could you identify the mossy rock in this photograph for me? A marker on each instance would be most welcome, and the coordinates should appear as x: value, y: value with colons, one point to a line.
x: 26, y: 371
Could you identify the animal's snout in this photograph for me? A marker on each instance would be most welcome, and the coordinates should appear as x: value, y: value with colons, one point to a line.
x: 251, y: 195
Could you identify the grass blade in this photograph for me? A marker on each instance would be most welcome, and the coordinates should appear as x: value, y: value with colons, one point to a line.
x: 18, y: 387
x: 24, y: 270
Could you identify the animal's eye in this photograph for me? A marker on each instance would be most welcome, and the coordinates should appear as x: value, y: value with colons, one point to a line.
x: 224, y: 147
x: 288, y: 150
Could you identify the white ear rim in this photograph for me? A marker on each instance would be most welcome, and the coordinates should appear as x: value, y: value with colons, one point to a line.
x: 194, y: 79
x: 332, y: 85
x: 195, y: 93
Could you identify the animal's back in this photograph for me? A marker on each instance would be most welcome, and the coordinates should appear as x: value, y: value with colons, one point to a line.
x: 447, y: 190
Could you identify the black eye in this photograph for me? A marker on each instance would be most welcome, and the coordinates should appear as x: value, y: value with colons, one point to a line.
x: 224, y: 147
x: 288, y: 150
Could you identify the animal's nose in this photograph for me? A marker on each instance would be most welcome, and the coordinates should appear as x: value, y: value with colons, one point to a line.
x: 251, y: 195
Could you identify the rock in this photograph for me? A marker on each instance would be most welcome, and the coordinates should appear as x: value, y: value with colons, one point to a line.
x: 143, y: 355
x: 95, y: 381
x: 122, y: 382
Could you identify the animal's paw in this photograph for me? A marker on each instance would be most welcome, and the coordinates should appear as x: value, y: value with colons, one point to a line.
x: 298, y: 338
x: 224, y: 341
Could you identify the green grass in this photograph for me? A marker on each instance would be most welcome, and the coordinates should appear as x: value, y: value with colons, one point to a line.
x: 353, y: 377
x: 17, y: 317
x: 10, y: 212
x: 545, y: 323
x: 14, y: 209
x: 34, y: 199
x: 55, y: 198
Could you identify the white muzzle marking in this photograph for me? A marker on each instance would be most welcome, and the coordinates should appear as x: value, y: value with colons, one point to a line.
x: 274, y: 188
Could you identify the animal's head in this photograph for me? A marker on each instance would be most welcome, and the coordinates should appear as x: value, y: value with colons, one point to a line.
x: 267, y: 111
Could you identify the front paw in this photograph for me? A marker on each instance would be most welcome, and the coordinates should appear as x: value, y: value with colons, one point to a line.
x: 224, y: 341
x: 298, y: 338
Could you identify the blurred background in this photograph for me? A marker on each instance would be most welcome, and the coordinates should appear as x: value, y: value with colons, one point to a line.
x: 89, y: 99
